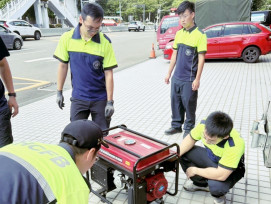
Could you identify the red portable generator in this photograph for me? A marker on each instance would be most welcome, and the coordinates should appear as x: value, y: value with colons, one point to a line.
x: 136, y: 163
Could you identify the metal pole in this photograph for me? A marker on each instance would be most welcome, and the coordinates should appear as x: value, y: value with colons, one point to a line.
x: 81, y: 4
x: 143, y: 13
x: 120, y: 9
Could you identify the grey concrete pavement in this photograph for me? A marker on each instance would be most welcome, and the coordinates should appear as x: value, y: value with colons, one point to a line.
x: 142, y: 102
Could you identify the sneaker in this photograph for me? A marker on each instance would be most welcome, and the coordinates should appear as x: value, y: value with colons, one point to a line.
x: 189, y: 186
x: 186, y: 133
x: 172, y: 131
x: 220, y: 200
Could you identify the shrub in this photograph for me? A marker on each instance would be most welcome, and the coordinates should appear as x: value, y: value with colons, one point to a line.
x: 58, y: 25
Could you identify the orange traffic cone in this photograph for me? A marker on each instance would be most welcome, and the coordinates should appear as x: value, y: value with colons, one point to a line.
x: 152, y: 55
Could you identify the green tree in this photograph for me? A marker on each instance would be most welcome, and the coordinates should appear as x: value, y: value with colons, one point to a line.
x: 3, y: 3
x: 176, y: 3
x: 131, y: 7
x: 257, y: 4
x: 266, y: 5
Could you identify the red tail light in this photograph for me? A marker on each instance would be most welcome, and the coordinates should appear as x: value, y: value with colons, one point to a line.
x: 5, y: 25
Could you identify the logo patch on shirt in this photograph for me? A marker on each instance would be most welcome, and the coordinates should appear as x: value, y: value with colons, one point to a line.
x: 188, y: 52
x: 96, y: 64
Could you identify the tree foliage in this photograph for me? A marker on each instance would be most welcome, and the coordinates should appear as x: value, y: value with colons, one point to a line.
x: 257, y: 5
x: 135, y: 8
x: 3, y: 3
x: 176, y: 3
x: 266, y: 5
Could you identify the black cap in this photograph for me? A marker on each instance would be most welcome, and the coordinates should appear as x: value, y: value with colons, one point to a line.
x: 86, y: 133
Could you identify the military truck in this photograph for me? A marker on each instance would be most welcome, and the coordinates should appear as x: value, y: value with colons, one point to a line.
x: 209, y: 12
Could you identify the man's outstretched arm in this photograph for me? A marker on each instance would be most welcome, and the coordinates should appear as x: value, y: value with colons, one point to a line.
x: 7, y: 79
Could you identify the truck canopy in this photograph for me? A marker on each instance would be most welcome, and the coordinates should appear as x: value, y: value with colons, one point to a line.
x: 210, y: 12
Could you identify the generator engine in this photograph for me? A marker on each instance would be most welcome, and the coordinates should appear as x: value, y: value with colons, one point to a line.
x: 136, y: 163
x: 156, y: 186
x: 120, y: 180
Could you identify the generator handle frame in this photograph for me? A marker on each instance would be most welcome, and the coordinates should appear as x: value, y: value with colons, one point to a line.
x: 126, y: 150
x: 135, y: 172
x: 103, y: 199
x: 124, y: 127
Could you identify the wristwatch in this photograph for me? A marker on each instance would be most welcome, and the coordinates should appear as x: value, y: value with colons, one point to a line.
x: 12, y: 94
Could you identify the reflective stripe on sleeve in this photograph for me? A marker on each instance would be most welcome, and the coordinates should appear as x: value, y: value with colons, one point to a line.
x: 37, y: 175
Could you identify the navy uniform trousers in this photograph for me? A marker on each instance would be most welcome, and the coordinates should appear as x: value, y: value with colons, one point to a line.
x: 183, y: 104
x: 5, y: 127
x: 198, y: 157
x: 82, y: 109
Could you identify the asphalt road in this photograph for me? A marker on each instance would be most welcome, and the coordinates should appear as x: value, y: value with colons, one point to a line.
x: 34, y: 69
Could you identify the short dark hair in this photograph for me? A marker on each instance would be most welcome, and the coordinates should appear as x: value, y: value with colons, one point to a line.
x: 77, y: 150
x: 186, y: 5
x: 218, y: 124
x: 93, y: 10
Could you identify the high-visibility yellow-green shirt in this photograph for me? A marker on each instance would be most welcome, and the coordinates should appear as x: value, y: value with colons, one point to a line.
x: 88, y: 60
x: 226, y: 153
x: 188, y: 43
x: 40, y: 173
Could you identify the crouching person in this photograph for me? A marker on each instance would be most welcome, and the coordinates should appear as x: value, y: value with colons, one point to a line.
x: 33, y: 172
x: 218, y: 166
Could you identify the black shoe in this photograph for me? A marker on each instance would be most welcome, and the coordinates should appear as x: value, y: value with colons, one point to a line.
x: 186, y: 133
x: 172, y: 131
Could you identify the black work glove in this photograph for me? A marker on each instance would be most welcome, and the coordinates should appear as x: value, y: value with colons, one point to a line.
x: 109, y: 109
x: 60, y: 99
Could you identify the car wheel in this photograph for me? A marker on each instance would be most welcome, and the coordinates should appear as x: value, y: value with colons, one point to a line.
x: 129, y: 30
x: 251, y: 54
x: 37, y: 35
x: 17, y: 44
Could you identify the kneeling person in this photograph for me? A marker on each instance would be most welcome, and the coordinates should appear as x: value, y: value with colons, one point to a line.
x: 33, y: 172
x: 218, y: 166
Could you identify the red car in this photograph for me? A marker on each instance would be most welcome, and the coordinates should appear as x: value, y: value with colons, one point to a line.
x: 109, y: 22
x: 246, y: 40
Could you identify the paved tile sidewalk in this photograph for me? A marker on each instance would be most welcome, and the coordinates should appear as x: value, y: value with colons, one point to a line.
x: 142, y: 102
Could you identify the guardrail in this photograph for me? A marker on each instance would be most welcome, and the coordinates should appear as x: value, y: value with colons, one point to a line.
x: 106, y: 29
x: 46, y: 32
x: 11, y: 7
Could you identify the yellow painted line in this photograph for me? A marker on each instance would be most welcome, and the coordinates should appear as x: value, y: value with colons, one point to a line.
x: 39, y: 83
x: 23, y: 83
x: 27, y: 79
x: 33, y: 86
